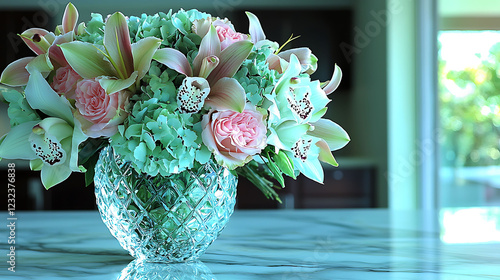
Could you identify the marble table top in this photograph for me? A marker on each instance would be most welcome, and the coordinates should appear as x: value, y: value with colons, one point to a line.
x: 367, y: 244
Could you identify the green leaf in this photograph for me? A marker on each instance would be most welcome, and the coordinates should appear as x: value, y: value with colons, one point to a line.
x: 90, y: 148
x: 90, y: 166
x: 250, y: 172
x: 284, y: 163
x: 277, y: 174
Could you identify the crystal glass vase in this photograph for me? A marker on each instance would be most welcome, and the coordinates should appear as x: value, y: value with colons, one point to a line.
x: 163, y: 219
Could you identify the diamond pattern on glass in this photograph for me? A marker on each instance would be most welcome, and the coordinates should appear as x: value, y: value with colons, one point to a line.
x: 163, y: 219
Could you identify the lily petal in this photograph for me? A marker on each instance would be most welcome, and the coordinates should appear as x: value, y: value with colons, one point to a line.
x: 78, y: 138
x: 312, y: 169
x: 37, y: 39
x: 16, y: 145
x: 286, y: 134
x: 55, y: 52
x: 230, y: 60
x: 174, y: 59
x: 111, y: 85
x: 143, y: 52
x: 41, y: 96
x: 291, y: 71
x: 227, y: 94
x: 40, y: 64
x: 334, y: 81
x: 53, y: 175
x: 255, y: 29
x: 333, y: 134
x: 308, y: 61
x: 70, y: 18
x: 87, y: 60
x: 15, y: 74
x: 276, y: 63
x: 117, y: 42
x: 208, y: 65
x: 325, y: 155
x: 210, y: 45
x: 36, y: 164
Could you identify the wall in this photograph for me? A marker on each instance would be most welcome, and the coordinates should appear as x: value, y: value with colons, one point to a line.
x: 362, y: 111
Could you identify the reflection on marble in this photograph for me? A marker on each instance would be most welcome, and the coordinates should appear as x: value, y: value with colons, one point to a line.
x: 140, y: 270
x: 277, y: 244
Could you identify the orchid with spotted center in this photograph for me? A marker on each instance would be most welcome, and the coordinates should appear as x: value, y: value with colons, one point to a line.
x: 213, y: 65
x: 168, y: 92
x: 51, y: 144
x: 298, y: 105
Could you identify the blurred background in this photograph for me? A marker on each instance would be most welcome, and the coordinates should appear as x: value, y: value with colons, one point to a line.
x: 420, y: 97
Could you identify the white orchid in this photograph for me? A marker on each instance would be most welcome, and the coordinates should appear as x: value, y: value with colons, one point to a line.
x: 50, y: 144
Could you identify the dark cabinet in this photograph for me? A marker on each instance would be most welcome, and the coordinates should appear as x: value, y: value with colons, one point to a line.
x: 352, y: 186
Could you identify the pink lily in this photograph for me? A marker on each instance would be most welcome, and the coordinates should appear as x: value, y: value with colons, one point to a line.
x: 213, y: 65
x: 307, y: 60
x: 118, y: 64
x: 42, y: 43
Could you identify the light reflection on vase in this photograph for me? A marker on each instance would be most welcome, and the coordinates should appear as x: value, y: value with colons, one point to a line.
x: 141, y: 270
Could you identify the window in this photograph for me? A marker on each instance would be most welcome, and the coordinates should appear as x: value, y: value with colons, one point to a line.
x: 469, y: 118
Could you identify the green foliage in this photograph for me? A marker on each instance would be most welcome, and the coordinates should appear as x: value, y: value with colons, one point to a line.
x: 470, y: 113
x: 156, y: 137
x: 19, y: 110
x: 256, y: 77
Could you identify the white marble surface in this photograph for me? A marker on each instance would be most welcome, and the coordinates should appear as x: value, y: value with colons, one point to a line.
x: 277, y: 244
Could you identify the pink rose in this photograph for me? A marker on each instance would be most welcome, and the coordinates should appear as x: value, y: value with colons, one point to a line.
x: 226, y: 33
x: 234, y: 137
x: 100, y: 113
x: 64, y: 82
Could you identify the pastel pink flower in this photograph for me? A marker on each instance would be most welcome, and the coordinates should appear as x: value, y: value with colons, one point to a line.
x: 100, y: 113
x: 65, y: 80
x: 227, y: 34
x: 234, y: 137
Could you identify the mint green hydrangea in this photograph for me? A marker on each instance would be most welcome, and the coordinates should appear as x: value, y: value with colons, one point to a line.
x: 156, y: 137
x: 94, y: 30
x: 256, y: 77
x: 19, y: 110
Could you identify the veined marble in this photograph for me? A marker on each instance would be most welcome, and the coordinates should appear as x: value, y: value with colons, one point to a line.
x: 273, y: 244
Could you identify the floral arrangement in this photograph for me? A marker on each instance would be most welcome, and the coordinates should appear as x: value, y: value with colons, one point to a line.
x: 168, y: 92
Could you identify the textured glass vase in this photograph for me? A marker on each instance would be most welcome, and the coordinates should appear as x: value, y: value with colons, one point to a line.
x: 163, y: 219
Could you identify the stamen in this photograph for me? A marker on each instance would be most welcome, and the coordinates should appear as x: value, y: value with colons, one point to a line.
x: 301, y: 148
x: 192, y: 94
x: 52, y: 154
x: 303, y: 107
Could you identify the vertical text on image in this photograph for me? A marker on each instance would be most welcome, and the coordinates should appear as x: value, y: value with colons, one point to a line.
x: 11, y: 219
